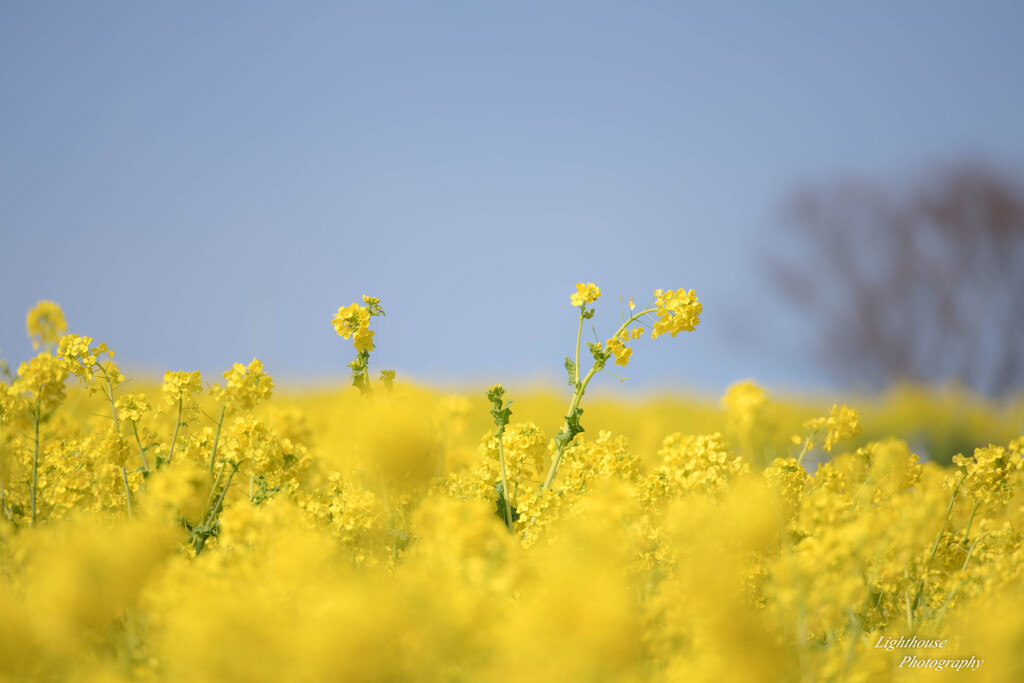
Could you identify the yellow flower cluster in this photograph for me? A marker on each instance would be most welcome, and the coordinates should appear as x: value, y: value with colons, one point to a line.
x: 699, y: 463
x: 617, y: 345
x: 131, y: 407
x: 353, y: 322
x: 45, y: 324
x: 323, y: 536
x: 841, y: 424
x: 526, y: 448
x: 678, y: 311
x: 585, y: 294
x: 41, y: 381
x: 619, y: 349
x: 83, y: 360
x: 181, y: 386
x: 988, y: 476
x: 246, y: 386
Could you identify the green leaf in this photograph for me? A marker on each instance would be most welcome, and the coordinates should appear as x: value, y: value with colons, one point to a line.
x: 500, y: 509
x: 570, y: 429
x: 570, y: 367
x: 499, y: 414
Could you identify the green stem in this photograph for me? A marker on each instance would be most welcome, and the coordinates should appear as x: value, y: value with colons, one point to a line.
x: 389, y: 513
x: 949, y: 513
x: 109, y: 393
x: 209, y: 499
x: 581, y: 387
x: 174, y: 438
x: 909, y: 610
x: 938, y: 539
x: 952, y: 594
x: 807, y: 444
x: 856, y: 497
x: 223, y: 493
x: 556, y: 461
x: 970, y: 521
x: 579, y: 336
x: 948, y: 601
x: 216, y: 437
x: 127, y: 491
x: 205, y: 528
x: 142, y: 449
x: 504, y: 481
x: 382, y: 480
x: 35, y: 465
x: 970, y: 552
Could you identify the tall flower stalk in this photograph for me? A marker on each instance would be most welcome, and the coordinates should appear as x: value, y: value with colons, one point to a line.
x: 673, y: 311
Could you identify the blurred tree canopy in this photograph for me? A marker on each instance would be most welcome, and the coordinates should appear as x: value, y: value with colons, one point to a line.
x: 925, y: 284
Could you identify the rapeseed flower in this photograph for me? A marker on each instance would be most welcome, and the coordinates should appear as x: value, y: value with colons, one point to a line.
x: 585, y: 294
x: 246, y: 386
x: 45, y: 324
x: 677, y: 311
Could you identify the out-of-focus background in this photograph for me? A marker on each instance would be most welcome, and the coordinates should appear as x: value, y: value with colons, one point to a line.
x: 199, y: 184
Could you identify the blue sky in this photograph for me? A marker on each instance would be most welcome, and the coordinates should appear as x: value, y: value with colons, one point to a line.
x: 202, y: 183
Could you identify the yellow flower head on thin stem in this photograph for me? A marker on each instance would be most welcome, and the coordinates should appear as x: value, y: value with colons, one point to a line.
x: 351, y: 319
x: 362, y: 340
x: 619, y: 349
x: 585, y: 294
x: 988, y: 476
x: 181, y: 386
x: 246, y: 386
x: 83, y: 360
x: 841, y: 424
x: 45, y: 324
x: 131, y: 407
x: 41, y: 379
x: 78, y: 357
x: 677, y: 311
x: 353, y: 322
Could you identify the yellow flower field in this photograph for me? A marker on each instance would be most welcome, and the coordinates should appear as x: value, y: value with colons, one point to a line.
x: 232, y: 531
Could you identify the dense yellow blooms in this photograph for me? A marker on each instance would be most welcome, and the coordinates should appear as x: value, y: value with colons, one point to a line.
x: 841, y: 424
x: 84, y: 360
x: 181, y: 387
x: 677, y: 311
x: 131, y: 407
x: 352, y: 322
x: 41, y: 381
x: 246, y: 386
x: 989, y: 475
x: 336, y: 536
x: 77, y: 355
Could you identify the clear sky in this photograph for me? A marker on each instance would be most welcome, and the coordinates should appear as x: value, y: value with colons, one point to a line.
x: 199, y: 183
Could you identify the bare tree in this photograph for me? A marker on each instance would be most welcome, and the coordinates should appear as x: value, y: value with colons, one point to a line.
x: 926, y: 285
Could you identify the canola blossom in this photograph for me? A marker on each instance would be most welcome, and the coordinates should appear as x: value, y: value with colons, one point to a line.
x: 196, y: 531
